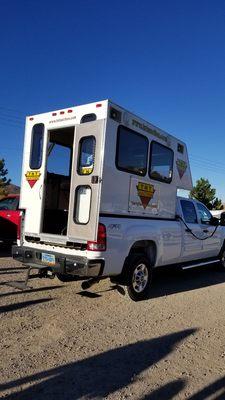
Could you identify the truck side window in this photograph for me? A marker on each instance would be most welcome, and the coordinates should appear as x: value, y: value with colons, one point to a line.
x: 189, y: 212
x: 36, y: 146
x: 204, y: 213
x: 86, y: 155
x: 131, y: 152
x: 161, y: 162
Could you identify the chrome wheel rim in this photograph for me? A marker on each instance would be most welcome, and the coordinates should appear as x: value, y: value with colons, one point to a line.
x: 140, y: 278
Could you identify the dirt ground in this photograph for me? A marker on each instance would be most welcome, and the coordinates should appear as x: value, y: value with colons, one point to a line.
x: 58, y: 342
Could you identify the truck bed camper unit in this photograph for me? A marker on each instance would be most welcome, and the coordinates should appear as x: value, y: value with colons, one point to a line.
x: 99, y: 185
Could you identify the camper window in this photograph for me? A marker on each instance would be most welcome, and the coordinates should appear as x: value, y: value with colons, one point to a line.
x: 36, y: 146
x: 86, y: 155
x: 132, y: 151
x: 161, y: 162
x: 88, y: 118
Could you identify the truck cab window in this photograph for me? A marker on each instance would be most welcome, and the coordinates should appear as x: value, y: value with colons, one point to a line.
x: 132, y: 151
x: 86, y: 155
x: 204, y: 213
x: 189, y: 212
x: 37, y: 146
x: 161, y: 163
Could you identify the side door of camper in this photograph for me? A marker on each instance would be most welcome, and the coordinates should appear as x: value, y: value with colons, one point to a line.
x: 86, y: 181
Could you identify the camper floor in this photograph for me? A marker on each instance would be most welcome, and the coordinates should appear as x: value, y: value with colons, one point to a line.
x: 58, y: 342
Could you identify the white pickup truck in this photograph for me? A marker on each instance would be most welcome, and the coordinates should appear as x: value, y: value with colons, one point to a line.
x: 99, y: 199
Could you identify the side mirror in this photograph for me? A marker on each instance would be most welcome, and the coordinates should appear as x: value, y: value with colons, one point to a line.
x: 215, y: 221
x: 222, y: 219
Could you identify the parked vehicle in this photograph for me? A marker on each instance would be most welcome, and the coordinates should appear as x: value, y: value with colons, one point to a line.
x: 99, y: 194
x: 9, y: 218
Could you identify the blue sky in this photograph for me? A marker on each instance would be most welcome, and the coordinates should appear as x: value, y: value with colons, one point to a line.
x: 164, y: 60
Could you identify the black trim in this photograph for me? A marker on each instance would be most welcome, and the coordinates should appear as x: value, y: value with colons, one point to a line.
x: 135, y: 217
x: 64, y: 263
x: 150, y: 163
x: 117, y: 151
x: 79, y: 167
x: 31, y: 161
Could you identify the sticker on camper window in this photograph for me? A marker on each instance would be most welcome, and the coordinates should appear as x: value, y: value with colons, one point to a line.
x: 32, y: 177
x: 181, y: 167
x: 145, y: 192
x: 86, y: 170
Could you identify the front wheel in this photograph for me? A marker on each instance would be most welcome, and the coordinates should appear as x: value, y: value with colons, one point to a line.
x: 139, y: 277
x: 222, y: 260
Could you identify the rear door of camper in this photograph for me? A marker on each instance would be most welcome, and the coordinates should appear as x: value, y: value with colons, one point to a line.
x: 86, y: 181
x: 33, y: 175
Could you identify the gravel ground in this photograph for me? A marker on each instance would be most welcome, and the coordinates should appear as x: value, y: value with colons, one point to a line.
x: 58, y: 342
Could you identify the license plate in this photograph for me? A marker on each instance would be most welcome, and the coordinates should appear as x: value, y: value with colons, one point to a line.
x: 48, y: 259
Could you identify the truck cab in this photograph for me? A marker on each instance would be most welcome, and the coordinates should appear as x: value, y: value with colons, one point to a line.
x: 201, y: 234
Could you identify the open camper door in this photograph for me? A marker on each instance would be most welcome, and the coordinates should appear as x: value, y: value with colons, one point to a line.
x: 86, y: 181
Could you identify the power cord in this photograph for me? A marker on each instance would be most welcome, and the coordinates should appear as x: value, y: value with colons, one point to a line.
x: 192, y: 233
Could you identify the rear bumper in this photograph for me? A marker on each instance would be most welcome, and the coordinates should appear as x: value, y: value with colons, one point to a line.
x: 71, y: 265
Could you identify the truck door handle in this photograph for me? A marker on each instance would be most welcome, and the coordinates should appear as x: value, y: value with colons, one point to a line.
x: 205, y: 231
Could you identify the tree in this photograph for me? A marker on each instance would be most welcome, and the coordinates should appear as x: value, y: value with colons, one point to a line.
x: 217, y: 204
x: 204, y: 192
x: 4, y: 182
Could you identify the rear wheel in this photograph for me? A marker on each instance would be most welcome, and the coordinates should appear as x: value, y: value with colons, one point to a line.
x: 138, y: 277
x: 222, y: 260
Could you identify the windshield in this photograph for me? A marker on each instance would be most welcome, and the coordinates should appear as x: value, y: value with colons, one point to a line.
x: 9, y: 203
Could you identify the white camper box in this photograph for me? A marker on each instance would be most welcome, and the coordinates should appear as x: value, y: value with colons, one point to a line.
x: 98, y: 181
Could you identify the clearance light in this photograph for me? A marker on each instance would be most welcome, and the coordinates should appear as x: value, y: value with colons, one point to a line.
x: 69, y: 111
x: 31, y: 118
x: 62, y: 112
x: 98, y: 105
x: 54, y: 114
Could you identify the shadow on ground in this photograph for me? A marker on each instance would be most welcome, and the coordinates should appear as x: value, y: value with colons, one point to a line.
x: 97, y: 376
x: 172, y: 280
x: 37, y: 290
x: 169, y: 281
x: 170, y: 390
x: 19, y: 306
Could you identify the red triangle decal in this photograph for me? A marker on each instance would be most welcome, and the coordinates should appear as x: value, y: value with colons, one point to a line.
x: 145, y: 201
x: 32, y: 182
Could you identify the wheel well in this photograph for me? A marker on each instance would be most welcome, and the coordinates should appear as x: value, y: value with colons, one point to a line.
x: 146, y: 247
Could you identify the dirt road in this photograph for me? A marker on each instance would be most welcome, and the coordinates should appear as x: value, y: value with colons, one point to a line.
x: 58, y: 342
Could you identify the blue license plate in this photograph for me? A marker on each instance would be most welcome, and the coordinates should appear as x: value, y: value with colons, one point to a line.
x: 48, y: 259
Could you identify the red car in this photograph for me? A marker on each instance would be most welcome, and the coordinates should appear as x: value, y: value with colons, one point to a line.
x: 9, y: 218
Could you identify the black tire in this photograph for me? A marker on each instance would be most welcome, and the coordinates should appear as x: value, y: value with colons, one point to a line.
x: 138, y: 271
x: 221, y: 265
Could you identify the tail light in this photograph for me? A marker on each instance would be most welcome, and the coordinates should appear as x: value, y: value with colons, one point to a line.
x: 100, y: 244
